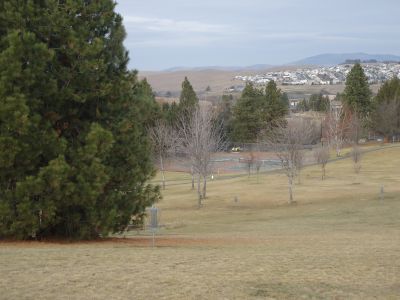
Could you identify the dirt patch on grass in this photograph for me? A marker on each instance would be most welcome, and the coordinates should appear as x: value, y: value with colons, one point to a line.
x: 142, y: 241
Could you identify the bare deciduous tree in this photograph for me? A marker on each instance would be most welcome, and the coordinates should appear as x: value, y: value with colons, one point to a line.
x: 201, y: 136
x: 337, y: 125
x: 287, y: 141
x: 322, y: 157
x: 258, y: 164
x: 299, y: 164
x: 192, y: 174
x: 164, y: 139
x: 356, y: 157
x: 249, y: 161
x: 258, y: 158
x: 354, y: 130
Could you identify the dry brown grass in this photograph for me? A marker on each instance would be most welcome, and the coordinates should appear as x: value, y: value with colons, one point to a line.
x: 172, y: 81
x: 338, y: 242
x: 219, y: 81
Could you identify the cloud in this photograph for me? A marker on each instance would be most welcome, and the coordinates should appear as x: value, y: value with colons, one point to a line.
x: 173, y: 26
x: 179, y: 41
x: 306, y: 36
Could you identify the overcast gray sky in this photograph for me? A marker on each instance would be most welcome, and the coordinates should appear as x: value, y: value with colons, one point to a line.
x: 167, y: 33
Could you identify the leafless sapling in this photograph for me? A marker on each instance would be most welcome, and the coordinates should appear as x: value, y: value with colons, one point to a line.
x: 356, y: 157
x: 163, y: 138
x: 249, y: 161
x: 321, y: 155
x: 337, y: 125
x: 201, y: 137
x: 287, y: 141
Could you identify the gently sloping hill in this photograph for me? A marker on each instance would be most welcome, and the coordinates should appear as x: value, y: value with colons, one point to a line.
x: 339, y: 242
x: 179, y: 206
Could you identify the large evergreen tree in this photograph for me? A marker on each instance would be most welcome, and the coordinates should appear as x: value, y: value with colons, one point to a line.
x: 247, y: 123
x: 303, y: 105
x: 389, y: 91
x: 386, y: 113
x: 319, y: 102
x: 188, y: 99
x: 74, y: 154
x: 225, y: 115
x: 276, y: 103
x: 170, y: 113
x: 256, y: 111
x: 357, y: 94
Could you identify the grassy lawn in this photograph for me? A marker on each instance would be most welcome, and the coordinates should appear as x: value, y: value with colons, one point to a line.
x: 338, y: 242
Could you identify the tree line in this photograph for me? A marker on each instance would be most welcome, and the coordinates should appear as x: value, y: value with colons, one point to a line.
x: 261, y: 116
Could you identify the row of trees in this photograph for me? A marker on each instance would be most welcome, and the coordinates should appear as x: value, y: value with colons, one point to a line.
x: 253, y: 113
x: 385, y: 116
x: 256, y: 111
x: 364, y: 113
x: 317, y: 102
x: 198, y: 131
x: 359, y: 112
x: 345, y: 123
x: 259, y: 117
x: 194, y: 132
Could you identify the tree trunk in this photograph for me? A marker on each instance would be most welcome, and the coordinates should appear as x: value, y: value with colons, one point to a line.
x: 337, y: 150
x: 198, y: 189
x: 204, y: 186
x: 323, y: 172
x: 162, y: 172
x: 192, y: 173
x: 290, y: 190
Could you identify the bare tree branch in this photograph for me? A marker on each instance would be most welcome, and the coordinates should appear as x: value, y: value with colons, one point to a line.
x: 322, y: 157
x: 164, y: 140
x: 200, y: 137
x: 336, y: 126
x: 356, y: 157
x: 287, y: 141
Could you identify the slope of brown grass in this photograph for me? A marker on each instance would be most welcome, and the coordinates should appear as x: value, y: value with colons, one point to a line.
x: 339, y: 242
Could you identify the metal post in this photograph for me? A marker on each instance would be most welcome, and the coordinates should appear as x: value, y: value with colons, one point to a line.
x: 153, y: 223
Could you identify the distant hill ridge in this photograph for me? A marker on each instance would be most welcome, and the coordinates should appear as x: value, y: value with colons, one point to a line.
x: 338, y: 58
x: 219, y: 68
x: 327, y: 59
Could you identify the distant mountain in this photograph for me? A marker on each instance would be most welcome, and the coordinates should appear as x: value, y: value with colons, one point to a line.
x: 327, y: 59
x: 338, y: 58
x: 220, y: 68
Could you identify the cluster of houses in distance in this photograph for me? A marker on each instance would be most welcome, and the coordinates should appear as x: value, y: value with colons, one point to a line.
x: 375, y: 72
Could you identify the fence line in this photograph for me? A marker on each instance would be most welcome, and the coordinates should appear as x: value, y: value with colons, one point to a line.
x: 270, y: 171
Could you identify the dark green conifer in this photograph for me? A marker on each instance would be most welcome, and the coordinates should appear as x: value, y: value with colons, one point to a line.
x: 357, y: 94
x: 74, y: 154
x: 257, y: 111
x: 188, y: 99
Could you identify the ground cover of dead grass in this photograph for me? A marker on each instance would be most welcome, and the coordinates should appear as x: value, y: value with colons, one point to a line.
x: 338, y: 242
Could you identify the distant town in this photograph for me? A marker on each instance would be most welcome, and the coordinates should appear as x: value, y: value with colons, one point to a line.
x: 375, y: 72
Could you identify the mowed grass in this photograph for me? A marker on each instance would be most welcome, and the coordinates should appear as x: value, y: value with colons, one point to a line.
x: 338, y: 242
